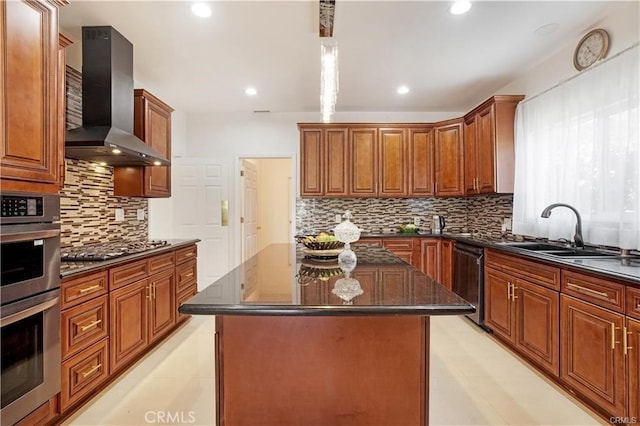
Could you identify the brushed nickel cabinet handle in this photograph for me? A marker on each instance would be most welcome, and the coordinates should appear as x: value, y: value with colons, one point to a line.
x: 509, y: 290
x: 587, y: 290
x: 613, y: 336
x: 190, y: 274
x: 513, y: 292
x: 149, y: 292
x: 90, y: 325
x: 86, y: 289
x: 91, y: 370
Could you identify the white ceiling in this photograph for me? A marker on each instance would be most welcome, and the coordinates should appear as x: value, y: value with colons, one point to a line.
x: 451, y: 63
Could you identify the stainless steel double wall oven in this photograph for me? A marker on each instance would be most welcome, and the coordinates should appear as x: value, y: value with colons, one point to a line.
x: 30, y: 309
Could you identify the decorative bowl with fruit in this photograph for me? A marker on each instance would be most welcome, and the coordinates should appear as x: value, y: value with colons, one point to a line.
x: 322, y: 241
x: 409, y: 228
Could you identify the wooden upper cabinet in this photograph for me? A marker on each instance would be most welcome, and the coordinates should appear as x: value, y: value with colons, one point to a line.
x: 421, y: 162
x: 152, y: 124
x: 63, y: 43
x: 30, y: 145
x: 363, y: 159
x: 392, y: 154
x: 336, y: 162
x: 489, y: 146
x: 311, y: 163
x: 449, y: 160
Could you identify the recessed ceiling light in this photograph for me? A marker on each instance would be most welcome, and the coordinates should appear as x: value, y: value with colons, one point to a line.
x: 546, y: 29
x: 460, y: 6
x: 403, y: 90
x: 250, y: 91
x: 201, y: 9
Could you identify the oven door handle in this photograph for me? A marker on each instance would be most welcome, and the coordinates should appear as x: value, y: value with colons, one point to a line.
x: 26, y: 236
x: 10, y: 319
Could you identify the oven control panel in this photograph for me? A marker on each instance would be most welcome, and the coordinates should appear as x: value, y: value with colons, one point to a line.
x: 21, y: 206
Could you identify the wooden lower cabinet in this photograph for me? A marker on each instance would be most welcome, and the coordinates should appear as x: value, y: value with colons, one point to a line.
x: 128, y: 322
x: 593, y: 359
x: 162, y: 306
x: 430, y: 257
x: 82, y: 373
x: 403, y: 248
x: 446, y: 263
x: 633, y: 367
x: 525, y: 315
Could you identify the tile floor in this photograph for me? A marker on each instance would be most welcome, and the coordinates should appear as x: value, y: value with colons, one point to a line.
x: 474, y: 381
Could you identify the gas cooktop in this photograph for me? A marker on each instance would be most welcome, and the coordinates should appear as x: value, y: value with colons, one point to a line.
x: 106, y: 251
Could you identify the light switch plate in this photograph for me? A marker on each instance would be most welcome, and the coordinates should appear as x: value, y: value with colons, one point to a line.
x: 140, y: 214
x: 119, y: 215
x: 338, y: 218
x: 416, y: 221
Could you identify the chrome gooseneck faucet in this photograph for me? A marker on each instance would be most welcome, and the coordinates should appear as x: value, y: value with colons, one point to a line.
x: 577, y: 238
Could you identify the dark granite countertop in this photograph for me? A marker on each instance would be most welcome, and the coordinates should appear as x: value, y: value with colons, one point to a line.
x: 627, y: 270
x: 281, y: 280
x: 68, y: 269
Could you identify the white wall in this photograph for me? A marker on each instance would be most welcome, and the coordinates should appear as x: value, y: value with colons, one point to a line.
x: 624, y: 30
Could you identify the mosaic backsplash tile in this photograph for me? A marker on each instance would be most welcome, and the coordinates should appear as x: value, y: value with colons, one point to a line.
x: 481, y: 215
x: 87, y: 203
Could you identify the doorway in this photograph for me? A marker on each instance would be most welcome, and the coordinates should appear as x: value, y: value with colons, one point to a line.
x: 267, y: 208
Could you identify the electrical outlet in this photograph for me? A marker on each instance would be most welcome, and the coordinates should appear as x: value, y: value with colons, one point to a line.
x: 338, y: 218
x: 140, y: 214
x: 416, y: 221
x: 119, y: 215
x: 507, y: 222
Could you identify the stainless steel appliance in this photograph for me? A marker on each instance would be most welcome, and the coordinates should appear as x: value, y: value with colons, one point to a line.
x: 110, y: 250
x: 439, y: 224
x: 30, y: 311
x: 468, y: 278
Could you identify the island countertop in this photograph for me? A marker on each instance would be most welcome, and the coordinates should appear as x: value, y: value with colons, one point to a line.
x: 282, y: 280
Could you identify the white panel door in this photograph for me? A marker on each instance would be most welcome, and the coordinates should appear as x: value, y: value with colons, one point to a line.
x: 201, y: 189
x: 250, y: 225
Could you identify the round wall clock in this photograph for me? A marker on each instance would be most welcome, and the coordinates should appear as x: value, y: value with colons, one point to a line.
x: 593, y: 47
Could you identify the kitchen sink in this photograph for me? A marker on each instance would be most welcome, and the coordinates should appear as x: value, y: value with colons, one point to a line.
x: 560, y: 251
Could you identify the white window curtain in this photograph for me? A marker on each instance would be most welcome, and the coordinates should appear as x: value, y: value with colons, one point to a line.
x: 578, y: 143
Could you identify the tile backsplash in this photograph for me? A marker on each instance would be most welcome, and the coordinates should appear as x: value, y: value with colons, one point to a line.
x: 87, y: 203
x: 481, y: 215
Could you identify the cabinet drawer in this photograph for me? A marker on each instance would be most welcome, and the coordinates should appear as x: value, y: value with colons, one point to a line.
x: 601, y: 292
x: 532, y: 271
x: 185, y: 254
x: 372, y: 241
x: 84, y: 325
x: 633, y: 302
x: 82, y: 373
x: 182, y: 297
x: 129, y: 273
x: 161, y: 262
x: 400, y: 244
x: 186, y: 275
x: 81, y: 289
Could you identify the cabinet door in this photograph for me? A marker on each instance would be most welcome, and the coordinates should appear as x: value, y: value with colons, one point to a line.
x: 157, y: 134
x: 311, y: 163
x: 470, y: 147
x: 485, y: 151
x: 63, y: 42
x: 363, y: 159
x: 429, y: 257
x: 421, y: 162
x: 393, y: 163
x: 336, y: 162
x: 633, y: 366
x: 446, y: 263
x: 592, y: 357
x: 498, y: 309
x: 128, y: 307
x: 449, y: 160
x: 162, y: 313
x: 29, y: 150
x: 537, y: 324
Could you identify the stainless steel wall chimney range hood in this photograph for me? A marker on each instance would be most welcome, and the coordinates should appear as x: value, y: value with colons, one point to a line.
x: 106, y: 135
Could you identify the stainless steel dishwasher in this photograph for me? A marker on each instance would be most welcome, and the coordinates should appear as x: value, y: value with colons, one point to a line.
x: 468, y: 278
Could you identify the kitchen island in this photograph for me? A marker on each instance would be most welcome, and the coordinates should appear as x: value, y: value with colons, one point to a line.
x: 300, y: 341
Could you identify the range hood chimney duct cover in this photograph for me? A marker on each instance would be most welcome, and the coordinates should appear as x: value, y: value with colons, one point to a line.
x: 107, y: 104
